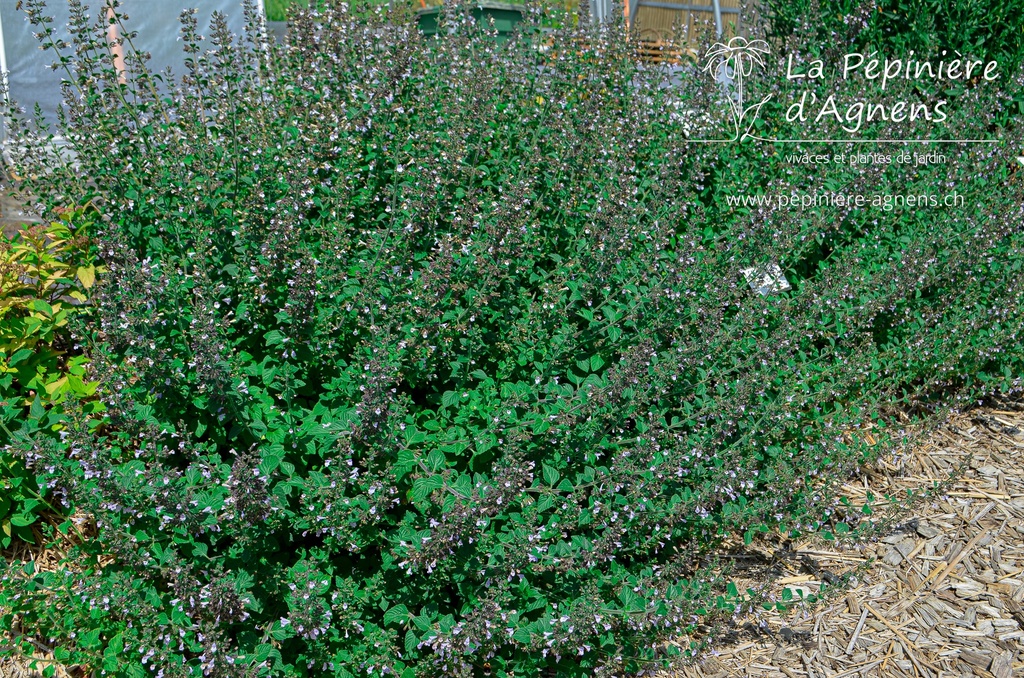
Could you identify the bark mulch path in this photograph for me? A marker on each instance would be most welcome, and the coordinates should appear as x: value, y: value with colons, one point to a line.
x: 940, y: 596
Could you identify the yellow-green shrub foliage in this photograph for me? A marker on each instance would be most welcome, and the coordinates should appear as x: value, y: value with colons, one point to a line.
x: 46, y: 272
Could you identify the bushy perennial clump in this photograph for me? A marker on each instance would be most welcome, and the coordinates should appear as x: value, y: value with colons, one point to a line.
x: 435, y: 357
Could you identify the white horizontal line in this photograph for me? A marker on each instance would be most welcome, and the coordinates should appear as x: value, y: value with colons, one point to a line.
x: 878, y: 141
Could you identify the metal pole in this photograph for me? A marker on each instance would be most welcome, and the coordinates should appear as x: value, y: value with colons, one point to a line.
x: 115, y: 46
x: 3, y: 74
x: 718, y: 16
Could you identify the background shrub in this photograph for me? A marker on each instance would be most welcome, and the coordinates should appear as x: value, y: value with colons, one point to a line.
x: 277, y: 10
x: 46, y: 271
x: 985, y: 29
x: 435, y: 357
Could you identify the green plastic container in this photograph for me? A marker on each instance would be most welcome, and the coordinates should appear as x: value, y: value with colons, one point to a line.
x: 505, y: 17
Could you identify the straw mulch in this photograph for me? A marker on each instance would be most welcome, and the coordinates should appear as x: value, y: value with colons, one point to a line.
x: 940, y: 595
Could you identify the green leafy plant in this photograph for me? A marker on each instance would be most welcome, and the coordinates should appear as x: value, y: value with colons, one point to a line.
x: 429, y: 358
x: 277, y: 10
x: 46, y: 272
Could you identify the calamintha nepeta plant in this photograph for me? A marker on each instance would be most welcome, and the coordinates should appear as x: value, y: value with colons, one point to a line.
x: 434, y: 357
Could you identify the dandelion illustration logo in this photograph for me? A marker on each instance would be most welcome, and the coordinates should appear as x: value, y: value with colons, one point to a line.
x: 735, y: 60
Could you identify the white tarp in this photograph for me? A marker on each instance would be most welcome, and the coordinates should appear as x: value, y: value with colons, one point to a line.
x: 32, y: 81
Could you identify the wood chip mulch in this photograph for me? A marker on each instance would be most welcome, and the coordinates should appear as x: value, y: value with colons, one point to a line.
x: 941, y: 595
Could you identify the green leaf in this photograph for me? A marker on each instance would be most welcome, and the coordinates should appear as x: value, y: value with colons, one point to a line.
x: 464, y: 486
x: 279, y: 631
x: 423, y: 487
x: 551, y: 476
x: 423, y: 622
x: 37, y: 411
x: 90, y: 640
x: 436, y: 460
x: 414, y: 436
x: 399, y: 614
x: 41, y: 306
x: 19, y: 355
x: 522, y: 635
x: 261, y: 653
x: 269, y: 464
x: 23, y: 520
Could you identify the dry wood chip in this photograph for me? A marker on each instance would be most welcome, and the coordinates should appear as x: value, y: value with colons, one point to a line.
x: 976, y: 659
x: 968, y: 589
x: 928, y: 531
x: 1002, y: 665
